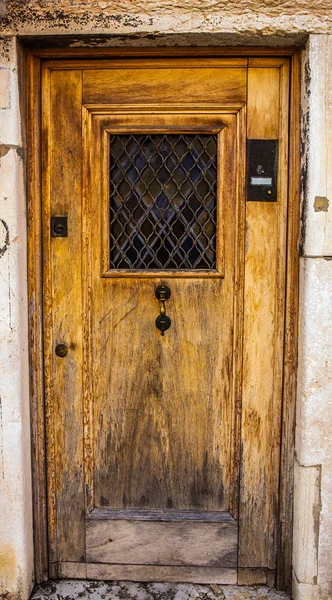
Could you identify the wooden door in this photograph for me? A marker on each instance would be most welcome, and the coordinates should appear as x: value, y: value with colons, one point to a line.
x: 150, y: 476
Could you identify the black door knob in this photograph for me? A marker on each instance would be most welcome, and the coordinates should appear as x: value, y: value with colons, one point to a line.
x: 61, y: 350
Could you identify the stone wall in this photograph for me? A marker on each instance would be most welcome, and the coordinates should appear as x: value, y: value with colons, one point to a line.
x: 151, y: 22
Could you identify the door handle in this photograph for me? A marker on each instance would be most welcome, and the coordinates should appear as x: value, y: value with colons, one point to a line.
x: 163, y: 322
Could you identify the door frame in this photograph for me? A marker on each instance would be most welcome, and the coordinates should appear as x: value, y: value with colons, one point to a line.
x: 33, y: 66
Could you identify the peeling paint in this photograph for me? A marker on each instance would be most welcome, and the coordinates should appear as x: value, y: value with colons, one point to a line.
x: 5, y: 46
x: 305, y: 128
x: 321, y: 204
x: 260, y: 17
x: 45, y: 15
x: 4, y: 149
x: 4, y: 239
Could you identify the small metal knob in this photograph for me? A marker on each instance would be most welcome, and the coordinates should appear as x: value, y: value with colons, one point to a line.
x: 59, y: 228
x: 163, y: 322
x: 61, y: 350
x: 163, y: 292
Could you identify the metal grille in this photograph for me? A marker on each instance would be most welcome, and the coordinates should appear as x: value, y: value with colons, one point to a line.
x: 163, y: 201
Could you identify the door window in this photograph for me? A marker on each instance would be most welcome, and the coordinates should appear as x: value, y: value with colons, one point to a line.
x: 163, y: 190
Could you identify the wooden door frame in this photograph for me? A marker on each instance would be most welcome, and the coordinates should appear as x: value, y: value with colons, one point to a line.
x: 34, y: 59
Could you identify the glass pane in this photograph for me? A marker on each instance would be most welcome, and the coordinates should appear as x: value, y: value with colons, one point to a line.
x: 163, y: 201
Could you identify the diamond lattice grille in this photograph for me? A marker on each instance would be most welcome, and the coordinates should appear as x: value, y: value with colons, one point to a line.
x: 163, y: 201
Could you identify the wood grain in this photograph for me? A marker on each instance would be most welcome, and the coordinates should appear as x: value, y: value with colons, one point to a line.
x: 169, y: 543
x: 157, y: 84
x: 161, y: 515
x: 88, y: 54
x: 267, y: 62
x: 286, y: 490
x: 264, y: 299
x: 161, y: 573
x: 163, y: 434
x: 239, y: 175
x: 111, y: 572
x: 63, y: 305
x: 263, y: 103
x: 256, y: 577
x: 47, y: 312
x: 35, y: 301
x: 72, y: 570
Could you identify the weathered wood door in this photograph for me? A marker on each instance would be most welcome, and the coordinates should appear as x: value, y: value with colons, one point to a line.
x: 151, y: 475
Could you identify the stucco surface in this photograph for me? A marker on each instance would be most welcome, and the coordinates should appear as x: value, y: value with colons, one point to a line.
x: 16, y: 556
x: 312, y: 556
x: 261, y: 18
x: 317, y: 133
x: 312, y: 538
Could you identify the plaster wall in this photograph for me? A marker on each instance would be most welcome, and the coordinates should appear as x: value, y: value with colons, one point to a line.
x: 180, y: 22
x: 312, y: 557
x: 16, y: 554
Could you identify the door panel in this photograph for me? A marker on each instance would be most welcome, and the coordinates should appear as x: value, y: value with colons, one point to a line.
x: 143, y: 430
x: 63, y: 317
x: 163, y: 405
x: 264, y: 298
x: 183, y: 82
x: 197, y: 541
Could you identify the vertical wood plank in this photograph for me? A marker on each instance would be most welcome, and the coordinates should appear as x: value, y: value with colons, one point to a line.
x: 47, y: 315
x: 285, y: 532
x: 239, y: 175
x: 87, y: 199
x: 35, y: 321
x: 263, y: 330
x: 63, y: 295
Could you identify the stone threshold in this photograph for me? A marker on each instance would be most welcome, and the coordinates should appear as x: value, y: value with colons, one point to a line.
x: 127, y: 590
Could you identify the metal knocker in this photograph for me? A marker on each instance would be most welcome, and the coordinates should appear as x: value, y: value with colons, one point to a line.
x: 163, y: 322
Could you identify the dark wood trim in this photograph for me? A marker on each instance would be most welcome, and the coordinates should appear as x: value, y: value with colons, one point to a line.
x: 33, y: 63
x: 162, y: 52
x: 285, y: 529
x: 35, y: 319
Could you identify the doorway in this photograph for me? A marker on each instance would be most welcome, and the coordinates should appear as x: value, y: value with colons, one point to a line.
x: 164, y: 303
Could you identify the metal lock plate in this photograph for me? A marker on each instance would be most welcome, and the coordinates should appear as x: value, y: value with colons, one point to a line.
x: 262, y: 170
x: 59, y: 226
